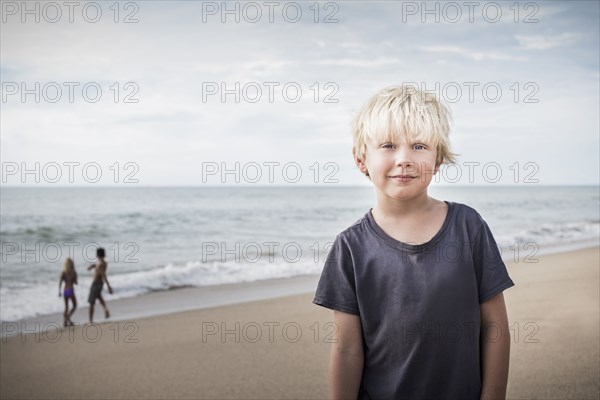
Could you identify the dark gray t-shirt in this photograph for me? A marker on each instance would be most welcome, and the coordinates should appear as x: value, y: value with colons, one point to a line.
x: 419, y: 305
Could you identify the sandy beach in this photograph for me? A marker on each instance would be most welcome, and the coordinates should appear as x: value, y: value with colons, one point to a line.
x: 278, y: 347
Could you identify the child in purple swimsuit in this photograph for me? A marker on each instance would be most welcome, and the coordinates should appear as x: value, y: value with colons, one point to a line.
x: 69, y: 276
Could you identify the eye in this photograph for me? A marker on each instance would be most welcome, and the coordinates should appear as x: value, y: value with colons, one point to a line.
x: 419, y: 146
x: 387, y: 145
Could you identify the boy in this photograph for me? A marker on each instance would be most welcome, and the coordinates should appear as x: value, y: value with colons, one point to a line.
x: 416, y: 284
x: 99, y: 278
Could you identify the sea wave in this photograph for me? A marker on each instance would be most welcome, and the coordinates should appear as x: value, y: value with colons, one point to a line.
x: 24, y: 301
x: 551, y: 233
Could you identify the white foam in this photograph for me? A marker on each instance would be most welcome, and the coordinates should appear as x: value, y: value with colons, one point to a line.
x: 19, y: 301
x: 42, y: 299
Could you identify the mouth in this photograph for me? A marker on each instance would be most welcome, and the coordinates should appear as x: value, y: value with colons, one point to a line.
x: 402, y: 178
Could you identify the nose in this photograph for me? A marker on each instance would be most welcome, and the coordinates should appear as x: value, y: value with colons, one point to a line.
x: 404, y: 160
x: 403, y: 156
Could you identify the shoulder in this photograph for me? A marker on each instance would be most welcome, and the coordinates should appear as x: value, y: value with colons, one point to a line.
x: 466, y: 211
x: 356, y: 231
x: 468, y: 217
x: 471, y: 223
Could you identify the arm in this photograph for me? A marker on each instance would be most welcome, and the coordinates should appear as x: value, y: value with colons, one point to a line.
x: 106, y: 280
x: 60, y: 281
x: 495, y: 348
x: 346, y: 358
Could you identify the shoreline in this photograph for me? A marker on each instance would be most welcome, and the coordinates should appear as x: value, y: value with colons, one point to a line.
x: 279, y: 347
x: 197, y: 298
x: 169, y: 302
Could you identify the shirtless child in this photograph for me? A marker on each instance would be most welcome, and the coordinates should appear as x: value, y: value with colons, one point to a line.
x: 97, y: 283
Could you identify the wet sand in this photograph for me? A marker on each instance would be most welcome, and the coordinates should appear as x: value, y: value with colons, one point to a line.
x: 278, y: 347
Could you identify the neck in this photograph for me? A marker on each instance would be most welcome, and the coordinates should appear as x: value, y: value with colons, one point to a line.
x: 390, y: 207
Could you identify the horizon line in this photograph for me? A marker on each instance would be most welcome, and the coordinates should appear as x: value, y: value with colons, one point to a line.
x: 132, y: 186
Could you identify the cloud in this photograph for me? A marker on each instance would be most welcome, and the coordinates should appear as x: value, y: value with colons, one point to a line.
x: 357, y: 62
x: 171, y: 56
x: 471, y: 54
x: 540, y: 42
x: 266, y: 67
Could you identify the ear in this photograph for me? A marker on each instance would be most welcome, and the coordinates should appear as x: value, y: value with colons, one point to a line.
x: 359, y: 162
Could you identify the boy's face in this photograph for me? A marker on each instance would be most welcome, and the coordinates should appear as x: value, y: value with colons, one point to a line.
x: 386, y: 161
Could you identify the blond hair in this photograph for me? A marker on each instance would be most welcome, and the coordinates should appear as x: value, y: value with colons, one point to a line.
x: 68, y: 265
x: 404, y: 113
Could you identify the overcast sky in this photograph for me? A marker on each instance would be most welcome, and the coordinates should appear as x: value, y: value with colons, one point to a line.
x: 523, y: 87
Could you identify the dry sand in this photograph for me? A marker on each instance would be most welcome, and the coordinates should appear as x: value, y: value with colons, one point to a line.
x: 278, y: 348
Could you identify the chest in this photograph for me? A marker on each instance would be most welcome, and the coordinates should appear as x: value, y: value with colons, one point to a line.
x: 417, y: 230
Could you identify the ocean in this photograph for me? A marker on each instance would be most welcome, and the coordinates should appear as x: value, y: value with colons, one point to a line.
x: 169, y: 238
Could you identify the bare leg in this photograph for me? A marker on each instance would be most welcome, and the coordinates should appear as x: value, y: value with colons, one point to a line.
x: 66, y: 313
x: 106, y: 313
x: 74, y: 300
x: 91, y: 313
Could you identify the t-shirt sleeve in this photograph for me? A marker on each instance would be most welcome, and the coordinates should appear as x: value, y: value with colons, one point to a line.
x: 490, y: 270
x: 336, y: 289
